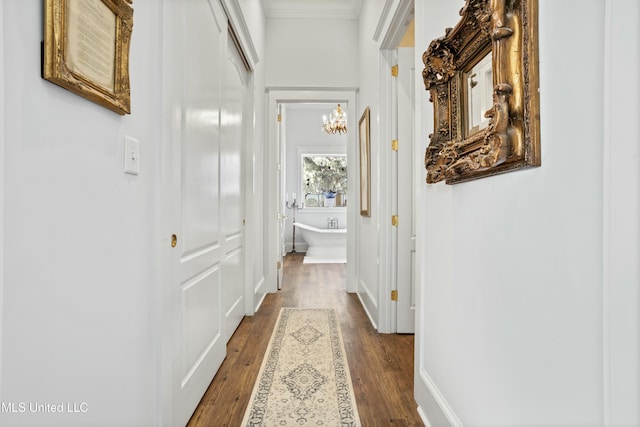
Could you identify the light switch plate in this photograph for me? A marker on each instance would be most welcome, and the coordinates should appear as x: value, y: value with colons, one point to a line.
x: 131, y: 156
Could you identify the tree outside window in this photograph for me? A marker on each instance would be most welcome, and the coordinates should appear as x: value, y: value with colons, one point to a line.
x: 324, y: 177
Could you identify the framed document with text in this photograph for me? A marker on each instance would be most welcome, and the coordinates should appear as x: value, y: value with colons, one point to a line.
x: 86, y: 49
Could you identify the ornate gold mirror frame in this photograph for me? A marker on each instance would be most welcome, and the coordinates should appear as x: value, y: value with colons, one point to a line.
x: 86, y: 49
x: 469, y: 142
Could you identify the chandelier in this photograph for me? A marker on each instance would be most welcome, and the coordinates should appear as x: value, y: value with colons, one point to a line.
x: 336, y: 123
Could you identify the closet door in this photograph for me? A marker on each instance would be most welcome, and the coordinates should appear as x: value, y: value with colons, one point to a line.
x: 234, y: 99
x: 194, y: 338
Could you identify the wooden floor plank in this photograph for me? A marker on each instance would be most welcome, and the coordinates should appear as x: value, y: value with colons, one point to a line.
x: 381, y: 366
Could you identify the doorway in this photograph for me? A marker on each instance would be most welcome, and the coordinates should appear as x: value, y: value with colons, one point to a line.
x: 399, y: 169
x: 288, y: 110
x: 315, y: 183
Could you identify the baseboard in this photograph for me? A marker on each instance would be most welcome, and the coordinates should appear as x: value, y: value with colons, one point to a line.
x: 423, y: 417
x: 300, y: 247
x: 366, y: 310
x: 441, y: 413
x: 261, y: 285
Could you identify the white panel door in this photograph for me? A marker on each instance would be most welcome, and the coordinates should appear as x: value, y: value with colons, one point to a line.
x: 201, y: 259
x: 282, y: 214
x: 235, y: 77
x: 405, y: 312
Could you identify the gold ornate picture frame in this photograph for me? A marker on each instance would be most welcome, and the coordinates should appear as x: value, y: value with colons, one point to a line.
x: 86, y: 49
x: 484, y: 82
x: 365, y: 163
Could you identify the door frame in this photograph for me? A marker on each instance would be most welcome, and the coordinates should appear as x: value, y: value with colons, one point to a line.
x: 408, y: 163
x: 276, y: 96
x: 621, y: 209
x: 281, y: 147
x: 391, y: 27
x: 2, y: 171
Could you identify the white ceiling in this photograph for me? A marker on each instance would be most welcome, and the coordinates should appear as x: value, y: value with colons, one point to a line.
x: 341, y: 9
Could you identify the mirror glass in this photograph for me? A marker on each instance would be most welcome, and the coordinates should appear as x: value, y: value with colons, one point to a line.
x: 324, y: 180
x: 479, y: 89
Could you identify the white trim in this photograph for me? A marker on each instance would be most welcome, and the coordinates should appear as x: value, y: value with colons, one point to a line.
x: 620, y: 213
x: 312, y: 13
x: 164, y: 388
x: 239, y: 25
x: 365, y: 306
x: 394, y: 20
x: 259, y: 285
x: 2, y: 183
x: 423, y: 417
x: 272, y: 244
x: 251, y: 225
x: 387, y: 205
x: 306, y: 91
x: 606, y: 218
x: 382, y: 21
x: 300, y: 247
x: 170, y: 14
x: 261, y: 288
x: 276, y: 96
x: 444, y: 406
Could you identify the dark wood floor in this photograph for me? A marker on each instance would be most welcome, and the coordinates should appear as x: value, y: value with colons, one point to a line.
x: 381, y: 366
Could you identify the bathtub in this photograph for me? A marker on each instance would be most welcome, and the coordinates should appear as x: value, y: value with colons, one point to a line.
x: 324, y: 244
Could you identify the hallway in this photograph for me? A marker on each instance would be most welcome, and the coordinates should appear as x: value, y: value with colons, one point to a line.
x: 381, y: 365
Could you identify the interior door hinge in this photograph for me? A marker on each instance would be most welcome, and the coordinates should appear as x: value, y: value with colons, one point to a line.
x: 278, y: 265
x: 279, y: 117
x: 394, y: 295
x: 394, y: 70
x: 394, y: 145
x: 394, y: 220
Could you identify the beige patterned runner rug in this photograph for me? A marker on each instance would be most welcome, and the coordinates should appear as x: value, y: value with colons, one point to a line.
x: 304, y: 378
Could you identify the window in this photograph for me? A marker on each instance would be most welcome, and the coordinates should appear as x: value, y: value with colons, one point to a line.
x: 324, y: 180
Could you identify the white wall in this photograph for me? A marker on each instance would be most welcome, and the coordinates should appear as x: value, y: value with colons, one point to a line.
x: 80, y: 275
x: 303, y: 134
x: 81, y: 240
x: 311, y: 53
x: 368, y: 257
x: 510, y: 319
